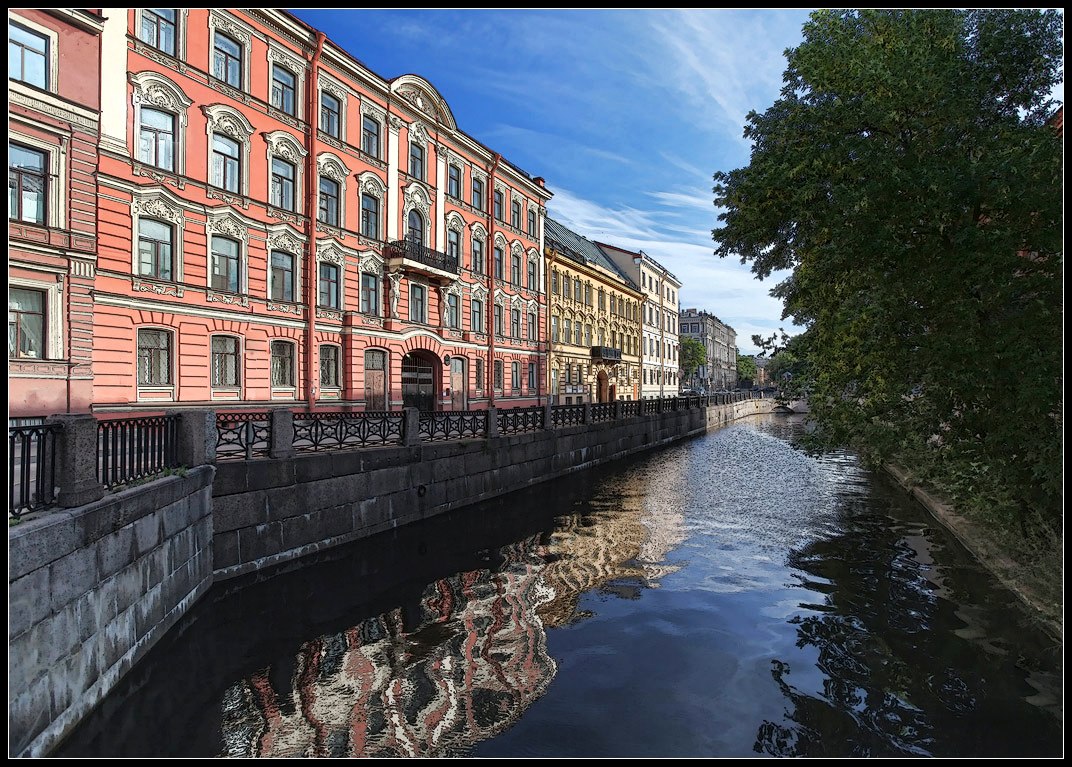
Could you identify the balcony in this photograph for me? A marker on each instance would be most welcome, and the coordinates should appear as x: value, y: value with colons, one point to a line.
x: 412, y: 256
x: 606, y: 354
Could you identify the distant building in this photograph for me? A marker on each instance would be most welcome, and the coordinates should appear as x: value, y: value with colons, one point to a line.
x: 53, y: 132
x: 762, y: 379
x: 719, y: 340
x: 594, y: 334
x: 660, y: 376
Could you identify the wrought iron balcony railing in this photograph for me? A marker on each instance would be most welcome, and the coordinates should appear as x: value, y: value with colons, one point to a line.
x: 411, y: 250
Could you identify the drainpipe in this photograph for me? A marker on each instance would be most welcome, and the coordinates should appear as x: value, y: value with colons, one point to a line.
x: 311, y: 188
x: 489, y: 265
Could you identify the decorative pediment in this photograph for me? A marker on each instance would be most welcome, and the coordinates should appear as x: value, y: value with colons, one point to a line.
x: 157, y: 207
x: 479, y: 232
x: 455, y: 221
x: 416, y: 197
x: 327, y: 164
x: 423, y: 97
x: 227, y: 120
x: 285, y: 240
x: 228, y: 225
x: 479, y: 292
x: 156, y: 90
x: 370, y: 183
x: 370, y: 262
x: 283, y: 145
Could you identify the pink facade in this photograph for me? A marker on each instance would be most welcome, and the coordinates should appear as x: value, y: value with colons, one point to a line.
x: 53, y: 130
x: 279, y: 225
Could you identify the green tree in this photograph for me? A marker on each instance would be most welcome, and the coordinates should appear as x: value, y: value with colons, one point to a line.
x: 746, y: 368
x: 693, y: 355
x: 909, y: 180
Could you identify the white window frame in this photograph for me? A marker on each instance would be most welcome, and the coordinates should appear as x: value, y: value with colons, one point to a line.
x: 53, y: 315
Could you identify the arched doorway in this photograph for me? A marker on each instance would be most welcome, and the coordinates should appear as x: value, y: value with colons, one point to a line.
x: 420, y: 374
x: 375, y: 380
x: 602, y: 387
x: 459, y: 384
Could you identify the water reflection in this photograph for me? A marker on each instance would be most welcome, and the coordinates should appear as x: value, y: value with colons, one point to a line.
x: 728, y: 596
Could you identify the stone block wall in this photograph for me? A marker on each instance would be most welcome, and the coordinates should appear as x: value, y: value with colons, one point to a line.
x: 91, y: 589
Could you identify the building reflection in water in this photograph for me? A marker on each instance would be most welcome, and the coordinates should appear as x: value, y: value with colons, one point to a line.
x: 463, y: 664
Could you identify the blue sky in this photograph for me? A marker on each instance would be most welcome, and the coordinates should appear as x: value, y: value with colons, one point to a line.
x: 627, y: 114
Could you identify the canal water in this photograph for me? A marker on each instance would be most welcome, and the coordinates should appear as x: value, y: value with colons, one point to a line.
x: 727, y: 596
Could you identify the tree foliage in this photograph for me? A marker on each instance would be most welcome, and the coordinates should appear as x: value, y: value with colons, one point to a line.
x: 908, y: 178
x: 692, y: 354
x: 746, y: 368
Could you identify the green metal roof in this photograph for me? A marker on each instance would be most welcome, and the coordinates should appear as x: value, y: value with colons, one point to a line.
x: 572, y: 245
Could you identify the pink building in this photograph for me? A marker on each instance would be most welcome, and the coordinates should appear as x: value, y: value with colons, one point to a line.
x: 53, y: 130
x: 281, y: 226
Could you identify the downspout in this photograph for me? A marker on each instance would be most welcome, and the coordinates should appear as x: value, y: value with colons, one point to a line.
x: 489, y: 265
x: 311, y: 186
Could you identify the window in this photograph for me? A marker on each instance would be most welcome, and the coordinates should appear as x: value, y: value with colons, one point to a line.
x: 329, y: 286
x: 587, y: 335
x: 329, y: 201
x: 498, y: 319
x: 282, y: 363
x: 27, y: 184
x: 283, y: 83
x: 156, y: 139
x: 154, y: 357
x: 532, y: 326
x: 329, y: 365
x: 416, y: 160
x: 577, y: 333
x: 478, y: 255
x: 478, y: 373
x: 154, y: 249
x: 532, y: 223
x: 602, y: 300
x: 224, y: 361
x: 330, y: 114
x: 454, y: 181
x: 370, y: 293
x: 567, y: 331
x: 227, y: 60
x: 498, y: 263
x: 26, y: 323
x: 226, y: 166
x: 532, y: 275
x: 417, y: 309
x: 158, y: 29
x: 577, y: 289
x: 554, y: 328
x: 498, y: 205
x: 515, y: 323
x: 454, y: 243
x: 476, y: 311
x: 532, y: 376
x: 498, y: 375
x: 415, y: 231
x: 515, y: 214
x: 282, y: 193
x: 453, y: 315
x: 225, y: 265
x: 588, y: 294
x: 370, y: 216
x: 554, y: 281
x: 27, y: 56
x: 478, y: 193
x: 370, y: 137
x: 515, y: 376
x: 515, y: 270
x: 282, y: 276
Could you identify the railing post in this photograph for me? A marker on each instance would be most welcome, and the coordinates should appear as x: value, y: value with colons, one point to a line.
x: 547, y: 416
x: 195, y: 437
x: 76, y: 460
x: 586, y: 412
x: 616, y: 413
x: 281, y: 439
x: 411, y: 426
x: 493, y: 422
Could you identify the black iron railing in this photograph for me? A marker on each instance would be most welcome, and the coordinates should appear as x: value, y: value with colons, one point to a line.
x: 335, y: 431
x: 415, y: 251
x: 628, y: 409
x: 31, y: 468
x: 602, y: 411
x: 135, y: 448
x: 520, y: 419
x: 453, y: 424
x: 243, y: 435
x: 606, y: 353
x: 567, y: 415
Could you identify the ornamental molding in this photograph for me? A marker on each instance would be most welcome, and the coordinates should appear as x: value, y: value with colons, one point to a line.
x: 453, y: 289
x: 372, y: 184
x: 219, y: 21
x: 139, y: 286
x: 517, y: 251
x: 416, y: 197
x: 277, y: 55
x: 418, y: 133
x: 532, y: 306
x: 479, y: 232
x: 328, y: 314
x: 500, y: 242
x: 157, y: 207
x: 455, y: 221
x: 154, y: 89
x: 226, y: 223
x: 283, y: 145
x: 331, y: 166
x: 288, y: 308
x: 227, y: 298
x: 370, y: 262
x: 395, y: 123
x: 478, y: 292
x: 517, y: 302
x: 329, y: 250
x: 225, y: 119
x: 286, y: 240
x: 368, y: 109
x: 333, y: 87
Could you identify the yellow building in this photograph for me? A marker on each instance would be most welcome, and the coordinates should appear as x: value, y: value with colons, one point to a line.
x: 593, y: 323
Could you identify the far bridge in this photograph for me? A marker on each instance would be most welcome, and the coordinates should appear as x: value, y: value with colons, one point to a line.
x: 791, y: 406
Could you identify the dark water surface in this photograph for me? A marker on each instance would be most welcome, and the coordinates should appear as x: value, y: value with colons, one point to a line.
x: 728, y: 596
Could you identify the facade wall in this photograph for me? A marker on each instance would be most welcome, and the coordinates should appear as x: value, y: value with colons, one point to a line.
x: 53, y: 129
x: 323, y: 188
x: 606, y: 310
x: 720, y: 342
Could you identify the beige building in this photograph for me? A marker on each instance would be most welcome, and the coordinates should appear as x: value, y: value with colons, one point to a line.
x: 594, y: 322
x: 660, y: 374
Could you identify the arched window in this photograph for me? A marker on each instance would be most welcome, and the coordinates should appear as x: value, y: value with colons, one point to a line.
x: 415, y: 227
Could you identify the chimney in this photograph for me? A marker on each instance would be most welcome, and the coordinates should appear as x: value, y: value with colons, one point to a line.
x: 539, y: 182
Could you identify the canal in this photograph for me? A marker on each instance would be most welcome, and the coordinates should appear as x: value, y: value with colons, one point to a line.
x: 727, y: 596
